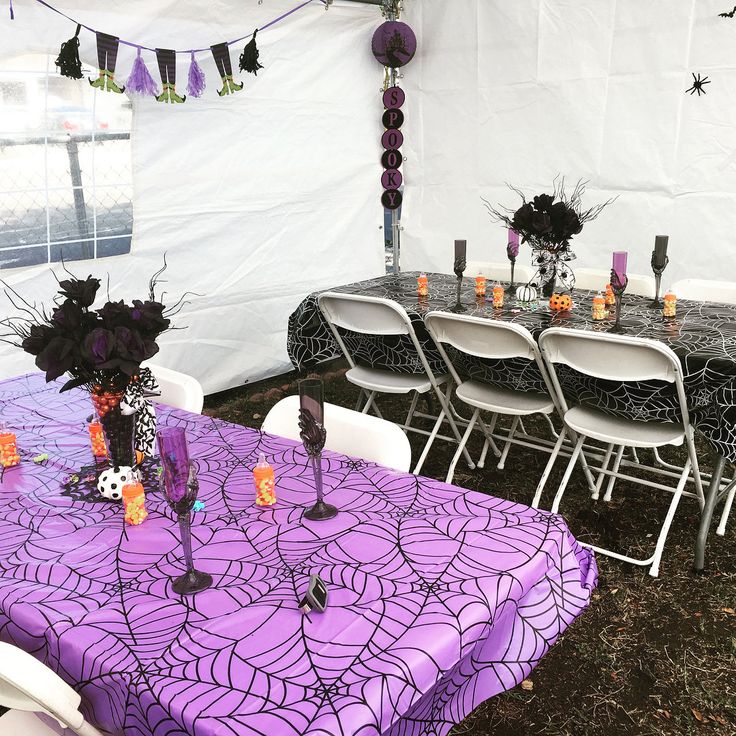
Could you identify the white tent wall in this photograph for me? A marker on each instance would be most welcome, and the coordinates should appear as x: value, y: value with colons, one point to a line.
x: 518, y: 91
x: 257, y: 198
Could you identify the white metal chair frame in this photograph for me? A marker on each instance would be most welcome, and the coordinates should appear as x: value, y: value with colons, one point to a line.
x: 399, y: 324
x: 29, y: 685
x: 348, y: 432
x: 497, y: 343
x: 593, y: 279
x: 661, y: 357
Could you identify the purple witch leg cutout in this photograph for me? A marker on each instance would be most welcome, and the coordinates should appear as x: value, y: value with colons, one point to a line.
x: 166, y: 59
x: 221, y: 54
x: 107, y: 56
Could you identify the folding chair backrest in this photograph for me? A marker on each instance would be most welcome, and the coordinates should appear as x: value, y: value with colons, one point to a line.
x: 596, y: 279
x: 706, y: 291
x: 499, y: 271
x: 364, y: 314
x: 611, y: 357
x: 483, y: 338
x: 348, y: 432
x: 178, y: 389
x: 27, y: 684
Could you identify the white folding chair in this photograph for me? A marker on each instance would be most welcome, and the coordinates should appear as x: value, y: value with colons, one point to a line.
x: 500, y: 271
x: 178, y: 389
x: 375, y: 316
x: 348, y: 432
x: 28, y: 687
x: 702, y: 290
x: 626, y: 359
x: 595, y: 280
x: 484, y: 338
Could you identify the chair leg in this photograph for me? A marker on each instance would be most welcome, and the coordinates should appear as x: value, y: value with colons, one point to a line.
x: 604, y: 466
x: 568, y: 473
x: 551, y: 426
x: 654, y: 569
x: 586, y: 472
x: 506, y: 447
x: 412, y: 409
x: 488, y: 433
x: 359, y: 402
x: 690, y: 439
x: 612, y: 478
x: 548, y: 468
x: 461, y: 446
x: 726, y: 510
x: 367, y: 405
x: 447, y: 410
x: 430, y: 440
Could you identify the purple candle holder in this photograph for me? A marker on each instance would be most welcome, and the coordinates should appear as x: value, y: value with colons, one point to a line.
x: 181, y: 488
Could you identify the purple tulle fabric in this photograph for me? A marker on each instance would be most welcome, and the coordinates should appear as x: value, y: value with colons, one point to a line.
x: 195, y: 83
x: 140, y: 81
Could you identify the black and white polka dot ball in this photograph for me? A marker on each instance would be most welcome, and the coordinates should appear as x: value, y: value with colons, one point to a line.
x: 110, y: 483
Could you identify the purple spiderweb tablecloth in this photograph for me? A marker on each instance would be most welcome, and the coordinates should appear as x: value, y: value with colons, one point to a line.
x: 439, y: 598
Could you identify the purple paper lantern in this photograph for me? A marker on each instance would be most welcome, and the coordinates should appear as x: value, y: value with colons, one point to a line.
x: 394, y: 44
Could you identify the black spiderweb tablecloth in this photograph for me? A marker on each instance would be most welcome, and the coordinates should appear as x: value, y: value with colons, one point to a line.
x: 703, y: 335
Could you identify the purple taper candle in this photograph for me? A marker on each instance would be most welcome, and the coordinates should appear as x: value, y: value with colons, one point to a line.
x: 620, y: 257
x: 512, y: 249
x: 174, y: 452
x: 461, y: 247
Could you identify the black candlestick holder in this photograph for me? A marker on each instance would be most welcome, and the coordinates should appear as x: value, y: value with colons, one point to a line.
x: 618, y: 287
x: 658, y: 271
x: 459, y: 269
x: 512, y: 286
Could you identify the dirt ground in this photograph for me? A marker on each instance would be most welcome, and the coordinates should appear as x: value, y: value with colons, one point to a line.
x: 650, y: 656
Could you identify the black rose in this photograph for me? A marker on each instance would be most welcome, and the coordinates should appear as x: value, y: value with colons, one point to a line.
x: 116, y: 314
x: 148, y: 317
x: 81, y: 292
x: 37, y: 339
x: 543, y: 202
x: 67, y: 316
x: 98, y: 346
x: 58, y: 357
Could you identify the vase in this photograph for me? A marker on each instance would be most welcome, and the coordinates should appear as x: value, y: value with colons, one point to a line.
x: 119, y: 428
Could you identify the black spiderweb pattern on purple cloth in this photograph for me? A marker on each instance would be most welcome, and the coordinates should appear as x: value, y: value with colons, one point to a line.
x: 703, y: 335
x: 439, y: 598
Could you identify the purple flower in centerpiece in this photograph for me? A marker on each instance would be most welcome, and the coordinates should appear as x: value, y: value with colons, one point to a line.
x: 97, y: 347
x: 149, y: 317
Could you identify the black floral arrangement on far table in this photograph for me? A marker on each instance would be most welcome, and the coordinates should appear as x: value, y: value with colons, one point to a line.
x: 548, y: 222
x: 101, y: 350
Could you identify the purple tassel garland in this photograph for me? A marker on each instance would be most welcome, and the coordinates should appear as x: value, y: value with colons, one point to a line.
x: 140, y: 81
x: 195, y: 82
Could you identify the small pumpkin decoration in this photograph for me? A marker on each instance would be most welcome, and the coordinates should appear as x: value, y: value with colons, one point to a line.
x: 526, y: 293
x: 560, y: 302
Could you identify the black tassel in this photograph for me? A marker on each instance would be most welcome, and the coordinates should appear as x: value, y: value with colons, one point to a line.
x: 249, y: 57
x: 68, y: 59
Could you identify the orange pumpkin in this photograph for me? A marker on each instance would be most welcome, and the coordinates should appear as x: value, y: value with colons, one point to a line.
x: 560, y: 302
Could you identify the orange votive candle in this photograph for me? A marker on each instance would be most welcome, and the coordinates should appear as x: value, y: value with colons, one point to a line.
x: 9, y: 456
x: 422, y: 285
x: 480, y: 285
x: 670, y: 305
x: 599, y: 307
x: 134, y: 503
x: 498, y: 296
x: 97, y: 436
x: 265, y: 482
x: 610, y: 296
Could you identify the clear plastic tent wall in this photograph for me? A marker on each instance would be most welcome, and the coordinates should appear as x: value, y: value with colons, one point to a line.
x: 256, y: 198
x: 518, y: 91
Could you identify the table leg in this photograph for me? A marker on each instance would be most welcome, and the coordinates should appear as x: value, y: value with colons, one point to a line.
x: 707, y: 513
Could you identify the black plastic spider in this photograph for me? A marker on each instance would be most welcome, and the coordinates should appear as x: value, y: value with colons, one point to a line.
x: 697, y: 85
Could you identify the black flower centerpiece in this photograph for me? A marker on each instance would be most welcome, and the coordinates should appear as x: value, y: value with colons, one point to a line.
x: 99, y: 349
x: 548, y: 222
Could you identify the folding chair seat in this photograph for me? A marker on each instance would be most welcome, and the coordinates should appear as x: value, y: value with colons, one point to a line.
x: 625, y: 359
x: 383, y: 317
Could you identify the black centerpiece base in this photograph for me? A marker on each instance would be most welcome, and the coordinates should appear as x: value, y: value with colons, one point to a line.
x: 191, y: 582
x: 321, y: 511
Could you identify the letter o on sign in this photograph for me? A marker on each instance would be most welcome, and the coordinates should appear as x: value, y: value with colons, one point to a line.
x: 391, y: 199
x: 392, y: 139
x: 392, y: 119
x: 391, y: 159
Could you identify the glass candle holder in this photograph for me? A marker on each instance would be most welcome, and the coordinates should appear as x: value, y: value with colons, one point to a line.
x: 265, y: 482
x: 480, y: 285
x: 422, y: 285
x: 599, y: 307
x: 498, y: 293
x: 97, y: 437
x: 670, y: 305
x: 134, y: 503
x: 9, y: 456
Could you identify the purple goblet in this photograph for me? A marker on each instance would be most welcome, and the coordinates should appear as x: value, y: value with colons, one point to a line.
x: 313, y: 434
x: 180, y: 485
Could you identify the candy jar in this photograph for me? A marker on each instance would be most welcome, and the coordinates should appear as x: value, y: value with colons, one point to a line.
x: 265, y: 482
x: 599, y: 307
x: 498, y: 294
x: 670, y: 305
x: 9, y: 456
x: 134, y: 502
x: 97, y: 437
x: 422, y: 285
x: 480, y: 285
x: 610, y: 296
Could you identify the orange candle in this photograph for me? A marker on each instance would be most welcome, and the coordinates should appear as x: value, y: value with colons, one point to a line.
x: 265, y: 482
x: 134, y: 502
x: 670, y: 305
x: 9, y: 456
x: 97, y: 436
x: 610, y: 297
x: 480, y: 285
x: 498, y: 296
x: 422, y: 285
x: 599, y: 307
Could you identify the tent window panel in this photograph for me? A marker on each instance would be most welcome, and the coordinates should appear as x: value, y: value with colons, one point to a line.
x: 65, y: 154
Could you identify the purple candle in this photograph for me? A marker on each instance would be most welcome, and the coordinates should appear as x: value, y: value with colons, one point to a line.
x: 512, y: 249
x: 174, y: 452
x: 461, y: 247
x: 620, y: 258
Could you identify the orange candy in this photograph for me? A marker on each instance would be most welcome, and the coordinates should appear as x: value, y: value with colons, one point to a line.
x: 9, y: 456
x: 134, y: 501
